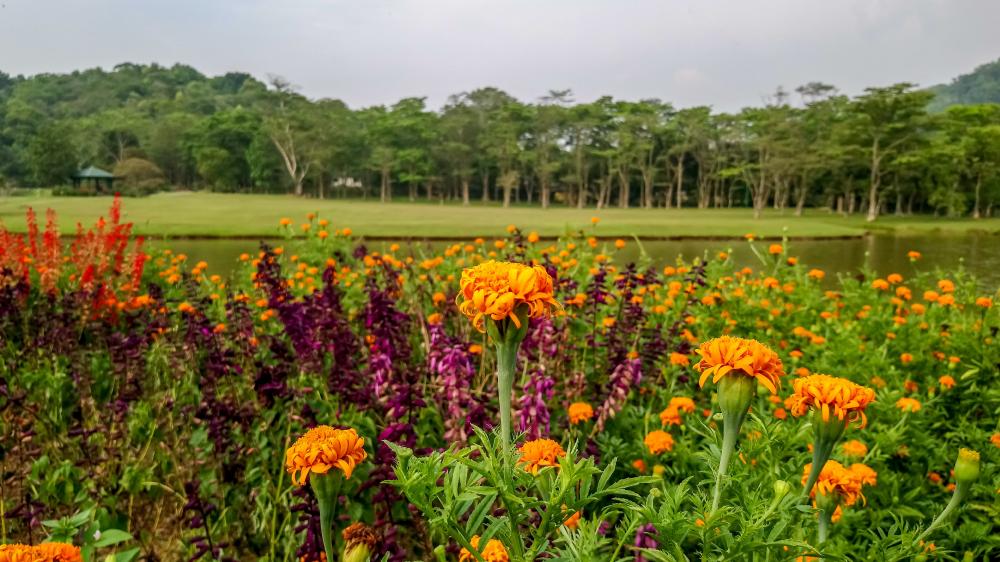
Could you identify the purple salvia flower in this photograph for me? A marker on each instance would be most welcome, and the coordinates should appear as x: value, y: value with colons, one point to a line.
x: 626, y: 375
x: 532, y: 408
x: 644, y: 539
x: 450, y: 362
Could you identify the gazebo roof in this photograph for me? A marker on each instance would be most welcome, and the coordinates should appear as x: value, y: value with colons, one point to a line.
x: 92, y: 172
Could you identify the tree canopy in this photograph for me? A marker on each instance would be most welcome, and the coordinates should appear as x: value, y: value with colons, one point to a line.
x: 877, y: 152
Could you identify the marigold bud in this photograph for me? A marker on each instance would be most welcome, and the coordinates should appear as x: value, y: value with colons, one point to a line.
x: 967, y: 466
x: 781, y: 489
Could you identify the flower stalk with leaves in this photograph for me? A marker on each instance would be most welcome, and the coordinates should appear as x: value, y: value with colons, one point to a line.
x: 736, y: 365
x: 499, y: 298
x: 313, y: 457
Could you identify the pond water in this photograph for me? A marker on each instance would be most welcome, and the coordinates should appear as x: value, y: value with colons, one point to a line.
x: 976, y: 252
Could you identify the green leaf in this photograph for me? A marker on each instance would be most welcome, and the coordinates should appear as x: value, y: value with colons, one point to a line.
x: 110, y: 537
x: 123, y: 556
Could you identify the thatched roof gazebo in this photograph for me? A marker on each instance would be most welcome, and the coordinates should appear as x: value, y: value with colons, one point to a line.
x: 96, y: 176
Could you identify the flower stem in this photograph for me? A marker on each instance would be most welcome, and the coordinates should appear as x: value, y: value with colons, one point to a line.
x: 506, y: 366
x: 327, y: 489
x: 730, y: 432
x: 953, y: 504
x: 824, y: 524
x: 821, y: 453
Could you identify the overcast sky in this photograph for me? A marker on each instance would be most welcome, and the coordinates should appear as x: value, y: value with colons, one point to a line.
x: 724, y: 53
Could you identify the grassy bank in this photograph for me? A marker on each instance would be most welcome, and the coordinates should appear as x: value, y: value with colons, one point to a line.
x: 224, y: 215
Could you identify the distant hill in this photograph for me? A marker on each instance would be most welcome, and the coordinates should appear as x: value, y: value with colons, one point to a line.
x: 982, y: 85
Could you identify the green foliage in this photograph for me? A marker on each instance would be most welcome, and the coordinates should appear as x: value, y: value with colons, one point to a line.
x: 477, y: 478
x: 84, y: 530
x: 234, y: 133
x: 51, y: 155
x: 982, y: 85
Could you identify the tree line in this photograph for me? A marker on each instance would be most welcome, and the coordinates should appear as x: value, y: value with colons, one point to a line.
x: 878, y: 152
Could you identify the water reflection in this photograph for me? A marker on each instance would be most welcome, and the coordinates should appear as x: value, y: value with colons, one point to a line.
x: 978, y: 253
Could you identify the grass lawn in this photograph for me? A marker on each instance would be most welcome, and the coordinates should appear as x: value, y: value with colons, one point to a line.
x: 188, y: 214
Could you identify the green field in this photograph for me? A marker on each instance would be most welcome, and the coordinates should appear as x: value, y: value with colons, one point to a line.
x: 186, y: 214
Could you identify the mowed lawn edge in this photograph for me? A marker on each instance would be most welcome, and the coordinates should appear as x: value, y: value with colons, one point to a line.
x: 216, y: 215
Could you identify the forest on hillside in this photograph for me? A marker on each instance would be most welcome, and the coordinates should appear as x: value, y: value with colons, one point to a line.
x: 887, y: 150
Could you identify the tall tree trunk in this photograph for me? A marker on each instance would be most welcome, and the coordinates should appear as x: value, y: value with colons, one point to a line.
x: 976, y: 203
x: 603, y: 191
x: 385, y: 191
x: 704, y: 187
x: 759, y: 197
x: 486, y: 186
x: 648, y: 179
x: 465, y: 191
x: 874, y: 184
x: 680, y: 180
x: 623, y: 189
x: 800, y: 203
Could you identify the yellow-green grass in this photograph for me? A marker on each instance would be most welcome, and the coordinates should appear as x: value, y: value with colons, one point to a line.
x: 196, y: 214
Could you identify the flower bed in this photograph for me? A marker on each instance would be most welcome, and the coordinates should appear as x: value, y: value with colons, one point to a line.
x: 507, y: 399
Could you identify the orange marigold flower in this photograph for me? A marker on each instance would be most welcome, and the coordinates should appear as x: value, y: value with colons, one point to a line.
x: 725, y: 355
x: 44, y: 552
x: 830, y: 395
x: 670, y: 416
x: 493, y: 552
x: 913, y: 255
x: 639, y: 465
x: 682, y: 403
x: 984, y: 302
x: 497, y: 289
x: 573, y: 521
x: 659, y: 441
x: 775, y: 249
x: 841, y: 483
x: 679, y: 359
x: 905, y: 358
x: 880, y: 284
x: 894, y: 278
x: 908, y: 404
x: 854, y: 448
x: 817, y: 273
x: 995, y: 439
x: 864, y: 473
x: 323, y: 448
x: 580, y: 412
x: 947, y: 381
x: 540, y: 453
x: 358, y: 536
x: 17, y: 553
